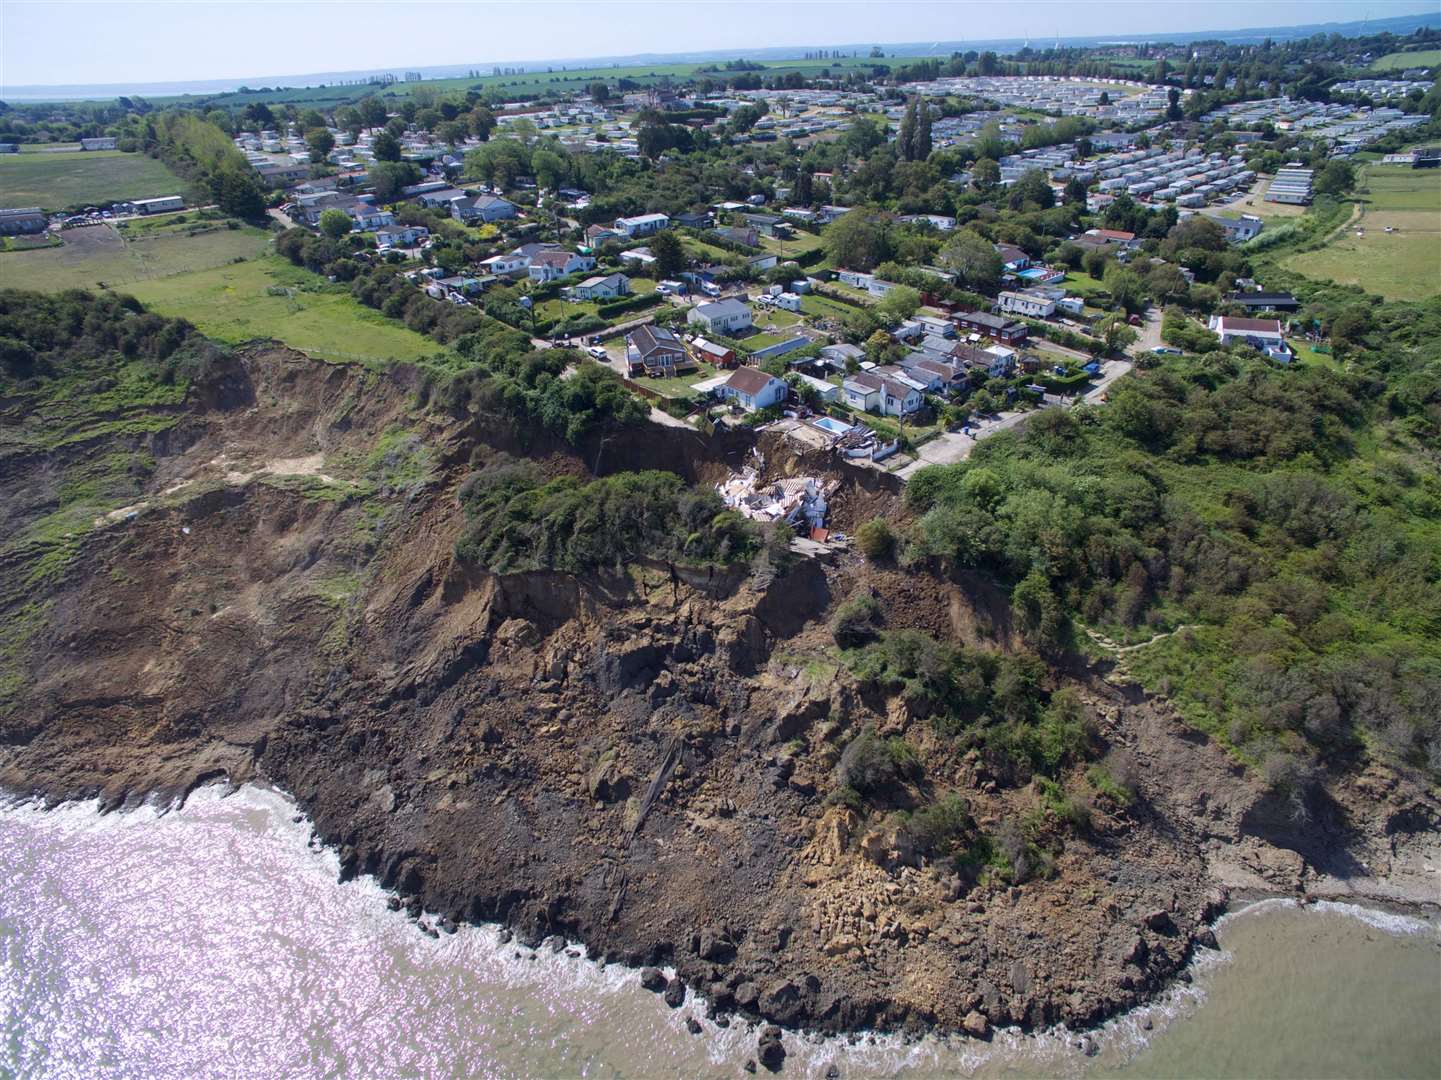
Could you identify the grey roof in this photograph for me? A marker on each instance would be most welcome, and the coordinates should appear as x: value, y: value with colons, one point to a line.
x: 721, y: 309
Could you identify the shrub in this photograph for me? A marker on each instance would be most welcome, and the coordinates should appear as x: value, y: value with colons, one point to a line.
x: 1117, y: 777
x: 942, y: 827
x: 876, y: 540
x: 856, y: 620
x: 871, y: 765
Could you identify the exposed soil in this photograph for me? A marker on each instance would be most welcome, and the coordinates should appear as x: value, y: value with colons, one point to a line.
x: 638, y: 761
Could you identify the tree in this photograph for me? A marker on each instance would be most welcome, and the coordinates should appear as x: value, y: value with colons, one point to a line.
x: 876, y: 540
x: 1126, y: 288
x: 321, y: 142
x: 1173, y: 109
x: 1114, y: 332
x: 372, y: 112
x: 923, y: 132
x: 864, y: 135
x: 974, y: 259
x: 1167, y: 284
x: 389, y: 178
x: 669, y: 254
x: 482, y: 122
x: 549, y: 167
x: 1031, y: 192
x: 348, y: 118
x: 859, y: 239
x: 803, y: 192
x: 1075, y: 193
x: 599, y: 91
x: 985, y: 175
x: 237, y: 194
x: 901, y: 302
x: 906, y: 137
x: 1095, y: 263
x: 385, y: 147
x: 335, y: 223
x: 1336, y: 178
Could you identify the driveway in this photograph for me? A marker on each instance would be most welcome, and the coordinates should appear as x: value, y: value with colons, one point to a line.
x: 1149, y: 333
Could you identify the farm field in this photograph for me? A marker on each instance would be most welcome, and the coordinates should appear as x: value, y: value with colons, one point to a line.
x: 1399, y: 265
x: 235, y: 303
x: 56, y: 181
x: 1399, y: 61
x: 102, y: 256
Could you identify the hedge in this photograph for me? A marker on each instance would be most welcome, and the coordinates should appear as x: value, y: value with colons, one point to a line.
x: 635, y: 303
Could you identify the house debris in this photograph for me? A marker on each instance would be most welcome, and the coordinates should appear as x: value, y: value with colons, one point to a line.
x: 801, y: 502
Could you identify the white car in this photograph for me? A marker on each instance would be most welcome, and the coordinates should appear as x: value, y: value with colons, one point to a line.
x: 597, y: 353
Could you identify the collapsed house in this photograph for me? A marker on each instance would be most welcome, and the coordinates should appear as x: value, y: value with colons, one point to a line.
x: 802, y: 502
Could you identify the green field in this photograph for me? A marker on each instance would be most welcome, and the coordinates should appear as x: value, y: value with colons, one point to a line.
x: 1404, y: 264
x: 235, y: 303
x: 104, y: 256
x: 1399, y: 61
x: 60, y: 180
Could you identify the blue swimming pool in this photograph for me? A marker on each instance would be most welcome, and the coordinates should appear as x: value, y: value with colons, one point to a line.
x: 835, y: 427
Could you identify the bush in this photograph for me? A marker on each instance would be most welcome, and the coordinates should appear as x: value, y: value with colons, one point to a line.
x: 942, y: 828
x: 856, y: 621
x: 871, y: 765
x: 876, y: 540
x: 635, y: 303
x: 1117, y: 777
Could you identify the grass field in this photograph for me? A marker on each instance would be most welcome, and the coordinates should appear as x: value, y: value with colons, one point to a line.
x: 1399, y: 61
x: 102, y: 256
x: 235, y: 303
x: 60, y: 180
x: 1404, y: 264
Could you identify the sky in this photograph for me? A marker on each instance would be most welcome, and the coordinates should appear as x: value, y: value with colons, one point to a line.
x: 53, y: 42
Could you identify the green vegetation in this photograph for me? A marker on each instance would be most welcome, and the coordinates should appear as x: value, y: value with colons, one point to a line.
x: 518, y: 520
x: 65, y: 181
x: 265, y: 298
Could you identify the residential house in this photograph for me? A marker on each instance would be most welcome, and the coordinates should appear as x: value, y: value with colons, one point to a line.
x: 997, y: 327
x: 1114, y: 236
x: 939, y: 222
x: 642, y: 225
x: 995, y: 361
x: 279, y: 176
x: 1262, y: 334
x: 840, y: 356
x: 548, y: 265
x: 656, y: 351
x: 737, y: 235
x: 765, y: 224
x: 1023, y: 303
x: 1239, y: 230
x: 952, y: 374
x: 692, y: 219
x: 162, y: 205
x: 30, y: 219
x: 880, y: 393
x: 640, y: 256
x: 104, y: 142
x: 726, y: 317
x: 753, y: 389
x: 440, y: 198
x: 826, y: 391
x: 401, y: 236
x: 764, y: 262
x: 1013, y: 258
x: 367, y: 217
x: 462, y: 284
x: 601, y: 287
x: 1264, y: 301
x: 595, y: 235
x: 512, y: 262
x: 712, y: 353
x: 482, y: 208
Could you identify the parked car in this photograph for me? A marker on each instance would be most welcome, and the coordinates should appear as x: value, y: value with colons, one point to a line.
x: 1166, y: 350
x: 597, y: 353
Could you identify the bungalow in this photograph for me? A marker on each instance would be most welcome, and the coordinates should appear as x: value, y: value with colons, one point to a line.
x: 482, y: 208
x: 801, y: 214
x: 512, y: 262
x: 656, y: 351
x: 727, y: 317
x: 711, y: 353
x: 826, y: 391
x: 753, y: 389
x: 879, y: 393
x: 367, y: 217
x: 104, y: 142
x: 1012, y: 257
x: 548, y: 265
x: 161, y: 205
x: 939, y: 222
x: 601, y: 287
x: 1239, y: 230
x: 463, y: 284
x: 910, y: 372
x: 1262, y: 334
x: 840, y: 356
x: 996, y: 362
x: 642, y: 225
x: 826, y: 214
x: 765, y: 224
x: 763, y: 262
x: 1114, y: 236
x: 595, y: 235
x: 939, y: 374
x: 692, y: 219
x: 1264, y: 301
x: 402, y: 236
x: 735, y: 235
x: 1020, y: 303
x: 1006, y: 331
x: 440, y: 198
x: 279, y: 176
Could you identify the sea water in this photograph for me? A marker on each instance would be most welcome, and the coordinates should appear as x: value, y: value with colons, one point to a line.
x: 215, y: 941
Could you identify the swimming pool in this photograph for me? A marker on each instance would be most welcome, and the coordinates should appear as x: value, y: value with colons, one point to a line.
x: 835, y: 427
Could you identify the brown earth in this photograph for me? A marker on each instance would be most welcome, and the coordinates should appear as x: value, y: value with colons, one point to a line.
x: 639, y: 761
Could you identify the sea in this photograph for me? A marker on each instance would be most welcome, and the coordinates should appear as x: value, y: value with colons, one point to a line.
x: 215, y: 940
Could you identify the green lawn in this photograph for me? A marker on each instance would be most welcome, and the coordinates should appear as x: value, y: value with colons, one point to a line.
x: 681, y: 385
x: 103, y: 256
x: 57, y: 181
x: 1399, y: 61
x: 823, y: 307
x: 235, y: 303
x: 1082, y: 284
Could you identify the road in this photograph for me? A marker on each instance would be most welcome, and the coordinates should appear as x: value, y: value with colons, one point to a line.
x: 1150, y: 333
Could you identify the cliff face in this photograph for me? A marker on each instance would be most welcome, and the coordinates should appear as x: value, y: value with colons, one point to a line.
x: 641, y: 760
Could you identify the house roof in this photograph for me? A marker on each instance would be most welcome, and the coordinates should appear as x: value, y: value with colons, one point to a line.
x: 722, y: 309
x: 649, y: 339
x: 1011, y: 253
x: 710, y: 348
x: 749, y: 381
x: 1116, y: 234
x: 985, y: 318
x: 1248, y: 326
x: 601, y: 279
x: 559, y: 259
